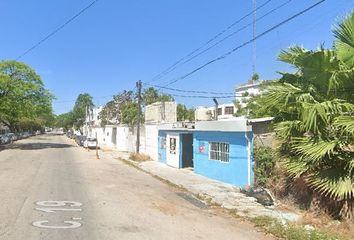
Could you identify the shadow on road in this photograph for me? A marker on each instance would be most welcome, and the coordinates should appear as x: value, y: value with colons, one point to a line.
x: 35, y: 146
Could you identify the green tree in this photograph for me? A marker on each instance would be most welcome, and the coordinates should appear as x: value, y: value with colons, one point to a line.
x: 151, y: 95
x: 183, y: 113
x: 314, y: 114
x: 24, y: 101
x: 113, y: 111
x: 65, y: 120
x: 82, y: 107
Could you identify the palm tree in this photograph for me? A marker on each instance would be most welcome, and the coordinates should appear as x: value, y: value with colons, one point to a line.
x: 314, y: 111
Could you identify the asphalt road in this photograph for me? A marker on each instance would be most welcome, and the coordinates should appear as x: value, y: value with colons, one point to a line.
x: 53, y: 190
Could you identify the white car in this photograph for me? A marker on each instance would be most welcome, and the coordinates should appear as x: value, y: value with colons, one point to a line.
x: 90, y: 143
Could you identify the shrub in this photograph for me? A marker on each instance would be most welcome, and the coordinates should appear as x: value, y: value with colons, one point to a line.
x: 139, y: 157
x: 264, y: 165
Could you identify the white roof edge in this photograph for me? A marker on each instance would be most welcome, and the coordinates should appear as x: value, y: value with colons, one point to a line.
x: 264, y: 119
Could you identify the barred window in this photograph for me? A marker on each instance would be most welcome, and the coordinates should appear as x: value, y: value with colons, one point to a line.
x: 229, y: 110
x: 219, y: 151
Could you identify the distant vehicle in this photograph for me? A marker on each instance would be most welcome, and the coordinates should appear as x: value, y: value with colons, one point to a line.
x: 80, y: 140
x: 4, y: 139
x: 90, y: 143
x: 12, y: 137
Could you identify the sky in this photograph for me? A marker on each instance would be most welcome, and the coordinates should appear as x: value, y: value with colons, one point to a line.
x: 115, y: 43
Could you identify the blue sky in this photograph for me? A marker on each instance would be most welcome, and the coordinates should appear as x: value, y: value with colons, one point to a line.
x: 115, y: 43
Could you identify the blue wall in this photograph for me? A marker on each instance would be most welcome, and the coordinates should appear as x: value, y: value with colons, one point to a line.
x: 236, y: 170
x: 162, y: 151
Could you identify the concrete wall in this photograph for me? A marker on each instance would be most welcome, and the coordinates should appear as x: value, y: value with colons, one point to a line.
x: 161, y: 112
x: 125, y: 138
x: 237, y: 171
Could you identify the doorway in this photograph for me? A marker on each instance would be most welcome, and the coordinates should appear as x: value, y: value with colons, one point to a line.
x: 187, y: 150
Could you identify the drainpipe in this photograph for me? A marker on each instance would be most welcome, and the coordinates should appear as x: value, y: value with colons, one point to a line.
x: 248, y: 158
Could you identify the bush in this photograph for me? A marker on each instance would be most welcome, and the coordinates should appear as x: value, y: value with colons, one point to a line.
x: 139, y: 157
x: 264, y: 165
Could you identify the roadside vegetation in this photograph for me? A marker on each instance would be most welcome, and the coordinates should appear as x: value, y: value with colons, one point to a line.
x: 25, y: 103
x: 314, y: 125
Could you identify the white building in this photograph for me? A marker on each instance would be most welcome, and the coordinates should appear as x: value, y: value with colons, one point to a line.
x: 246, y: 91
x: 225, y: 112
x: 92, y: 121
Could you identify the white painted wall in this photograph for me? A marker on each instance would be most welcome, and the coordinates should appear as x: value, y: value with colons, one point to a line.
x: 126, y: 139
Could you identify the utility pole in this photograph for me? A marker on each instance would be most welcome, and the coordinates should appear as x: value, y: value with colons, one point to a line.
x: 216, y: 108
x: 138, y: 85
x: 254, y: 36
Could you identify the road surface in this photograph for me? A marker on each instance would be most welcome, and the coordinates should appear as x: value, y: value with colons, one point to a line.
x: 54, y: 190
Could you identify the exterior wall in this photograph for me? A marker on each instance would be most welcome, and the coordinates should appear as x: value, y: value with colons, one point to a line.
x: 162, y: 144
x: 161, y: 112
x: 237, y: 171
x: 124, y: 139
x: 151, y: 141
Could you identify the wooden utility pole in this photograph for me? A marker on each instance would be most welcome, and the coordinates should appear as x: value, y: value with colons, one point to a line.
x: 138, y: 85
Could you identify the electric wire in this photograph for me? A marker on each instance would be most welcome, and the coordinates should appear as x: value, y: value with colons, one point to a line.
x: 188, y: 91
x: 167, y: 70
x: 243, y: 44
x: 191, y: 57
x: 57, y: 30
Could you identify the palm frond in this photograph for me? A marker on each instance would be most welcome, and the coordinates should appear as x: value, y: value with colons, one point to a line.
x: 336, y: 183
x: 314, y: 150
x: 344, y: 44
x: 346, y: 123
x: 287, y: 129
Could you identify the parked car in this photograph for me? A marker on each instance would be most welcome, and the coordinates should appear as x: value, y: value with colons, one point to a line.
x: 4, y: 139
x: 79, y: 139
x: 12, y: 137
x: 90, y: 143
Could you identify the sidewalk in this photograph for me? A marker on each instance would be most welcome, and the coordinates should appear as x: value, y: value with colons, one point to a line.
x: 210, y: 191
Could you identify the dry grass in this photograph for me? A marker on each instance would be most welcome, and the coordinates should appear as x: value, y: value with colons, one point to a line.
x: 294, y: 231
x: 139, y: 157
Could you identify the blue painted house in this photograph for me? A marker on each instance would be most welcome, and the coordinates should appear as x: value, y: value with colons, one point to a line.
x: 220, y: 150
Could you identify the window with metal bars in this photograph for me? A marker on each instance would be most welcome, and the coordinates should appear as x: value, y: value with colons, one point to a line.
x: 219, y: 151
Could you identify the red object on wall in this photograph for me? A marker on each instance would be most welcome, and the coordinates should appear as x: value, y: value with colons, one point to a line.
x: 202, y: 148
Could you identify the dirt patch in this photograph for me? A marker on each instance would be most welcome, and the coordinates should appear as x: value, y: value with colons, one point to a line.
x: 165, y: 208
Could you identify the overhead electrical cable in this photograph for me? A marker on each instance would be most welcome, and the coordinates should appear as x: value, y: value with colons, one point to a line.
x: 57, y: 29
x: 242, y: 45
x: 164, y: 72
x: 189, y: 91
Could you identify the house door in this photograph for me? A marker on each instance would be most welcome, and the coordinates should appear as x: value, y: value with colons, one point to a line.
x: 172, y: 150
x: 187, y: 149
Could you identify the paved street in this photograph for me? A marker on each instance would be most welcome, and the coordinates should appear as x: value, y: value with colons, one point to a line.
x: 53, y: 190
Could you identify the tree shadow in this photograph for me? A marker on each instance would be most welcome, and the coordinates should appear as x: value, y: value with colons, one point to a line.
x: 35, y: 146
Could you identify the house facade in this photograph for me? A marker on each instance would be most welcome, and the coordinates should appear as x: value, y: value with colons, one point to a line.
x: 221, y: 150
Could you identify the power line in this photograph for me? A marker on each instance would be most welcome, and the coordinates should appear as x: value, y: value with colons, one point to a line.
x: 232, y: 34
x: 244, y: 44
x: 199, y: 96
x: 189, y: 91
x: 166, y: 71
x: 57, y: 30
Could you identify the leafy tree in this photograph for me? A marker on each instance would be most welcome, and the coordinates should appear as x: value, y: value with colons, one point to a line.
x: 183, y: 113
x: 124, y: 108
x: 314, y: 112
x: 65, y: 120
x: 113, y: 110
x: 255, y: 77
x: 151, y: 95
x: 82, y: 107
x: 23, y: 98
